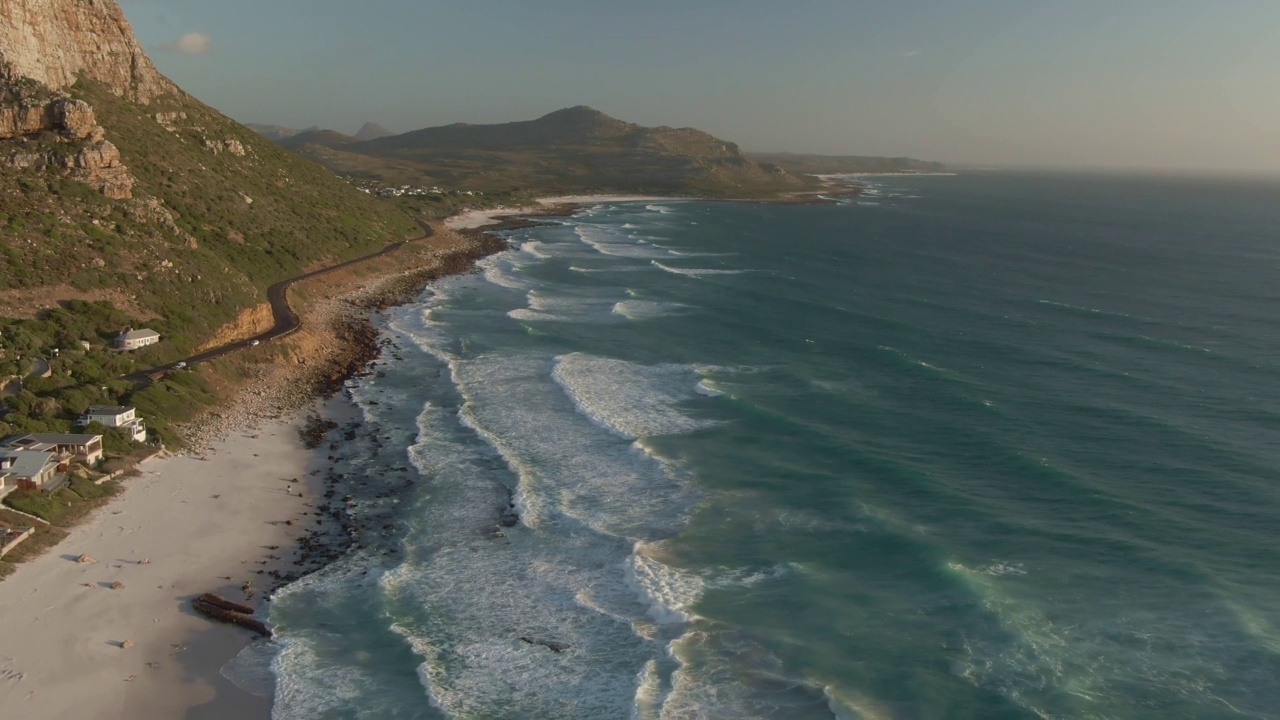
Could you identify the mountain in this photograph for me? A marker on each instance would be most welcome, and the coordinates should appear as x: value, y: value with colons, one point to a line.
x: 274, y: 132
x: 117, y: 185
x: 838, y: 164
x: 321, y: 138
x: 372, y: 131
x: 577, y: 149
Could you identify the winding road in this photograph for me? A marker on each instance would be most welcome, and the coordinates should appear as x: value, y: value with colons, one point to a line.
x: 286, y: 320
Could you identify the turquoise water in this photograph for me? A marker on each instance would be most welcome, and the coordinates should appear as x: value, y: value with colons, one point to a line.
x: 983, y: 446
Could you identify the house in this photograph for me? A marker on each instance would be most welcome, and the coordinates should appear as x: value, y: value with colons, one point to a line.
x: 117, y: 416
x: 133, y: 339
x: 31, y: 470
x: 65, y: 448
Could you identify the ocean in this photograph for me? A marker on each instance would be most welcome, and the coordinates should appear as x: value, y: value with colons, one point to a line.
x: 993, y: 445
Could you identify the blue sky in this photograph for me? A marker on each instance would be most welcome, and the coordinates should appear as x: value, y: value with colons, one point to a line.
x: 1136, y: 83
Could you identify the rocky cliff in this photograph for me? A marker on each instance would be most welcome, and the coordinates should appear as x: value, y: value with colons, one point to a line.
x: 55, y: 42
x: 115, y: 183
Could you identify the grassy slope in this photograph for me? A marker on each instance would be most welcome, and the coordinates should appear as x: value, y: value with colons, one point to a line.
x: 54, y: 230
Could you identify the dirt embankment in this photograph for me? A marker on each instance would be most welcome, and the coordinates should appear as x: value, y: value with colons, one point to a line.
x: 251, y: 321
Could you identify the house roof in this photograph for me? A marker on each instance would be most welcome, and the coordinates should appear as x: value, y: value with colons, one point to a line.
x: 108, y: 410
x: 18, y: 441
x: 139, y: 334
x: 28, y: 463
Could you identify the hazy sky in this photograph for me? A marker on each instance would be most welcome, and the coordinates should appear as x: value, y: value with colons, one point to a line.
x: 1142, y: 83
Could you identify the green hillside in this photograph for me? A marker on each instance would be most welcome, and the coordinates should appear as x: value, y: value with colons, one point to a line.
x: 207, y: 228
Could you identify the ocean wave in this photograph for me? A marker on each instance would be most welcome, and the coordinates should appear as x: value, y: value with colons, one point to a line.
x: 536, y: 249
x: 475, y: 608
x: 670, y: 593
x: 697, y: 272
x: 630, y: 399
x: 707, y: 387
x: 310, y: 685
x: 613, y: 269
x: 645, y: 309
x: 546, y: 307
x: 606, y: 242
x: 499, y: 274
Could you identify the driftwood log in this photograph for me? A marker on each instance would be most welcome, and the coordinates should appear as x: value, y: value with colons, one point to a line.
x: 220, y: 613
x: 225, y: 604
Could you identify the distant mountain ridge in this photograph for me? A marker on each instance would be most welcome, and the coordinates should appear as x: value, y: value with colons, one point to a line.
x: 372, y: 131
x: 837, y: 164
x: 577, y: 149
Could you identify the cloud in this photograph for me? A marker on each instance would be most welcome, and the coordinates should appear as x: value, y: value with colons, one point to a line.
x: 193, y: 43
x: 911, y: 53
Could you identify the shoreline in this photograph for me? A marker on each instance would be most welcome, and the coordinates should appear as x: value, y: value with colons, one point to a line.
x: 551, y: 206
x: 223, y: 521
x: 246, y: 506
x: 214, y: 517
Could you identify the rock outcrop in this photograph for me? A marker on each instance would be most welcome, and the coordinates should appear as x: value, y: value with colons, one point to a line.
x: 71, y: 118
x: 84, y: 151
x: 99, y: 167
x: 53, y: 42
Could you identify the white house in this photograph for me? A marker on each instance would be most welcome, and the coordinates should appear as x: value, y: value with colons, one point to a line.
x: 117, y: 416
x: 134, y: 339
x: 63, y: 447
x: 30, y: 470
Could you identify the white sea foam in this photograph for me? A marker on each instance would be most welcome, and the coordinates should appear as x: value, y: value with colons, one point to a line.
x: 632, y: 400
x: 708, y: 387
x: 645, y: 309
x: 670, y: 593
x: 659, y: 209
x: 499, y: 272
x: 536, y: 249
x: 606, y: 242
x: 613, y: 269
x: 697, y: 272
x: 567, y: 465
x: 546, y: 307
x: 470, y: 598
x: 308, y: 686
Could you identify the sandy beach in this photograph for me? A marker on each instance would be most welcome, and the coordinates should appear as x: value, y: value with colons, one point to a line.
x: 188, y: 524
x: 204, y: 521
x: 207, y: 520
x: 473, y: 219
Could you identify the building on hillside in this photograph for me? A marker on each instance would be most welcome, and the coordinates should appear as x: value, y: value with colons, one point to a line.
x: 31, y: 470
x: 132, y: 339
x: 117, y: 416
x: 65, y: 448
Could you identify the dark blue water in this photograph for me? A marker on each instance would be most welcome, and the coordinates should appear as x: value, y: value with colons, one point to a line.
x: 984, y: 446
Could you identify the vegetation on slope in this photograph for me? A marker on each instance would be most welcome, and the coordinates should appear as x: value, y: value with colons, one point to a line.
x: 206, y: 231
x: 575, y: 150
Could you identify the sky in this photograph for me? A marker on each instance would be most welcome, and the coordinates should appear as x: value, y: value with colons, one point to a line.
x: 1160, y: 84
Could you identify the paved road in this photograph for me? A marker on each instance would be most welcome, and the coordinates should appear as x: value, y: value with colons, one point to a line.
x: 39, y: 366
x: 286, y: 320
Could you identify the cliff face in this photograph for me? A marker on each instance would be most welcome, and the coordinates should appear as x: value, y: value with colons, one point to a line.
x: 54, y: 41
x: 114, y: 183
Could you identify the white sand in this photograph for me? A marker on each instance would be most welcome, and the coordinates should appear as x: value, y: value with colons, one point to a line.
x: 479, y: 218
x: 197, y: 521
